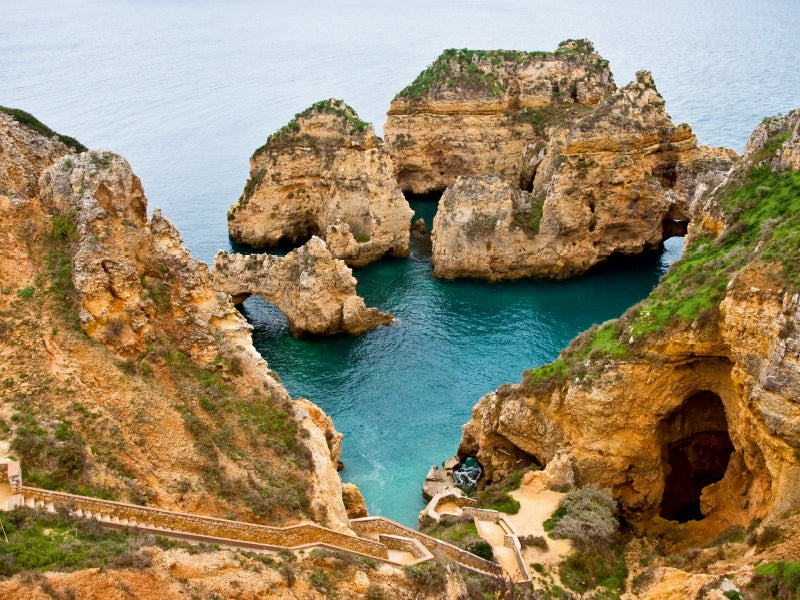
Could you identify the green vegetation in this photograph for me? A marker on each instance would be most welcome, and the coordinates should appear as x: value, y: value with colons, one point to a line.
x: 558, y: 114
x: 60, y: 244
x: 765, y: 210
x: 289, y: 135
x: 584, y: 570
x: 41, y: 541
x: 252, y: 185
x: 459, y: 531
x: 34, y: 124
x: 477, y: 70
x: 471, y: 69
x: 779, y: 579
x: 26, y: 292
x: 53, y: 459
x: 586, y: 516
x: 428, y: 577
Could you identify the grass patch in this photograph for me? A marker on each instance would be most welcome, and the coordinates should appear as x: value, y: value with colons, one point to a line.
x: 585, y: 570
x: 497, y: 499
x: 28, y: 120
x: 41, y: 541
x: 290, y: 134
x: 779, y: 579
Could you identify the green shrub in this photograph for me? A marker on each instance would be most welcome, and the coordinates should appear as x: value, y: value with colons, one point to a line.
x: 584, y: 570
x: 779, y: 579
x: 498, y: 500
x: 71, y: 544
x: 26, y: 292
x: 482, y: 549
x: 428, y: 576
x: 588, y: 518
x: 34, y: 124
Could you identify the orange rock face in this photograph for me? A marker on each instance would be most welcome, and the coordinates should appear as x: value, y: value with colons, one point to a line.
x: 694, y: 422
x: 324, y: 174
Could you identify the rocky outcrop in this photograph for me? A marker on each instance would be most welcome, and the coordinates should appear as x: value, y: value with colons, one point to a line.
x: 315, y: 291
x: 474, y: 113
x: 617, y: 181
x: 27, y: 148
x: 147, y: 385
x: 324, y: 174
x: 686, y: 406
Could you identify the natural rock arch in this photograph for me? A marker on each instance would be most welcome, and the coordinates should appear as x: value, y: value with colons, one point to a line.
x: 315, y: 292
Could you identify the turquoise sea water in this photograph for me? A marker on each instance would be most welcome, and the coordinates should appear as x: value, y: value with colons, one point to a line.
x: 187, y: 90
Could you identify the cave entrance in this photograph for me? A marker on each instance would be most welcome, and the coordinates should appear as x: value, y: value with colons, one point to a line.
x: 695, y: 450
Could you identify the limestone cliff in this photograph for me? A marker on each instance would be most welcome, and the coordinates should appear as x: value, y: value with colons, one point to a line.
x: 28, y: 146
x: 474, y: 112
x: 325, y: 174
x: 316, y: 292
x: 616, y: 181
x: 126, y: 373
x: 686, y: 407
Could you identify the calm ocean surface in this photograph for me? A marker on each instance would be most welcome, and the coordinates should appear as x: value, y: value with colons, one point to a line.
x: 187, y: 90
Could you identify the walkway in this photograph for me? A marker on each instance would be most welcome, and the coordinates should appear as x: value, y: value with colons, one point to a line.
x: 376, y: 537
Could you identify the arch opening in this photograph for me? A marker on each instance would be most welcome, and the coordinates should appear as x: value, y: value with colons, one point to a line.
x: 695, y: 450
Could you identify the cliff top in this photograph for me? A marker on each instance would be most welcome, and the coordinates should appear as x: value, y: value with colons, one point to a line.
x: 487, y: 72
x: 326, y: 118
x: 752, y: 219
x: 28, y: 120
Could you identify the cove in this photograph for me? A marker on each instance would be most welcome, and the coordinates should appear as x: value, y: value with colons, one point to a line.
x: 401, y: 393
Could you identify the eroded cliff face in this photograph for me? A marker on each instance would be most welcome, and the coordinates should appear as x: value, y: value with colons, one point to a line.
x: 616, y: 181
x: 474, y: 113
x: 315, y: 292
x: 324, y: 174
x: 130, y: 375
x: 686, y: 407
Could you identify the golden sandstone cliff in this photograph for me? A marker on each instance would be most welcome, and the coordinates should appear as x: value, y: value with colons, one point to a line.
x: 686, y: 406
x: 324, y: 174
x: 125, y: 373
x: 476, y: 112
x: 555, y: 183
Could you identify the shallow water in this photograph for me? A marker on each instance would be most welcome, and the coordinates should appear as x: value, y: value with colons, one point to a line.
x: 187, y: 90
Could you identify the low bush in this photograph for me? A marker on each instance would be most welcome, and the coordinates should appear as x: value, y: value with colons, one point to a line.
x: 587, y: 518
x: 779, y: 579
x: 429, y: 576
x: 498, y: 500
x: 42, y: 541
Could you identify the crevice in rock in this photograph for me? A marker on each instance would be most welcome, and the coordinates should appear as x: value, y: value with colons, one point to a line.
x: 695, y: 450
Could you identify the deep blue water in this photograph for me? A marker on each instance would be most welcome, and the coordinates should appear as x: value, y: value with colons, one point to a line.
x: 187, y: 90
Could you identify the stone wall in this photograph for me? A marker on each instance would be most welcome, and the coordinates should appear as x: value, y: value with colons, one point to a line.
x: 286, y: 537
x: 379, y: 525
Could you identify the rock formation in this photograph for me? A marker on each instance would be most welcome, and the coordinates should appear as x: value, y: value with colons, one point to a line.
x: 686, y: 406
x: 617, y: 181
x: 28, y: 147
x: 315, y: 291
x: 325, y: 174
x: 474, y: 113
x: 140, y: 378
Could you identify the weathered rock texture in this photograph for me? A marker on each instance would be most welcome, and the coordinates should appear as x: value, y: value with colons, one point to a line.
x: 325, y: 174
x: 315, y: 291
x: 686, y: 407
x: 140, y: 378
x: 27, y: 150
x: 489, y: 112
x: 616, y: 181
